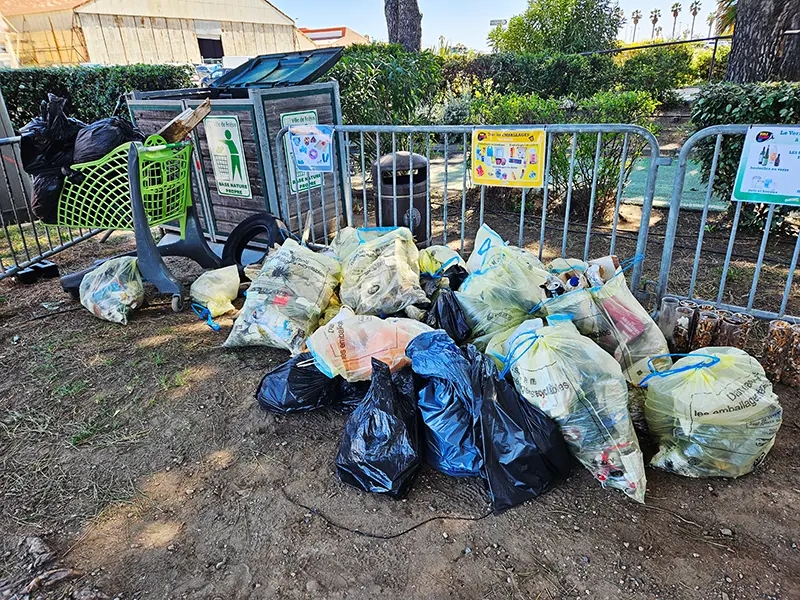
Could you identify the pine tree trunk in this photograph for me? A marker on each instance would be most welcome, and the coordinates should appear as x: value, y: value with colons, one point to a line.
x: 404, y: 22
x: 760, y: 51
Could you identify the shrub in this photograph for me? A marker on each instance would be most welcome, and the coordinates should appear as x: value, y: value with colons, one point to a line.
x: 726, y: 103
x: 657, y: 70
x: 701, y: 62
x: 92, y: 92
x: 384, y: 84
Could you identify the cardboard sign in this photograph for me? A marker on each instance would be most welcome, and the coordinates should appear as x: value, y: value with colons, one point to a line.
x: 299, y: 181
x: 311, y: 147
x: 769, y: 170
x: 224, y: 138
x: 508, y: 158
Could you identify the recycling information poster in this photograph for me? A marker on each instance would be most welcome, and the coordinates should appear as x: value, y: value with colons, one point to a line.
x: 311, y: 145
x: 299, y: 181
x: 224, y: 138
x: 508, y: 158
x: 769, y: 170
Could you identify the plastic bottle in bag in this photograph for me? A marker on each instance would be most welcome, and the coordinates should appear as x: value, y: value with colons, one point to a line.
x: 714, y: 414
x: 284, y: 303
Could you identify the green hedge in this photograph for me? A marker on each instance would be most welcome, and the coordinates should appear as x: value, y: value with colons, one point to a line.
x: 658, y: 71
x: 92, y: 91
x: 731, y: 103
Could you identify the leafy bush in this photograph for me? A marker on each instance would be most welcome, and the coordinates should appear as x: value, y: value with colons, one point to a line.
x: 384, y: 84
x: 604, y: 107
x: 658, y: 70
x: 701, y: 62
x: 92, y: 92
x: 727, y: 103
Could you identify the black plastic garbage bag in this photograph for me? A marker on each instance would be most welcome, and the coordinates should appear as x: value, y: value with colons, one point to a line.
x: 446, y: 313
x: 381, y: 448
x: 524, y: 454
x: 352, y: 393
x: 101, y: 137
x: 445, y: 404
x: 47, y: 142
x: 456, y: 274
x: 44, y: 200
x: 295, y: 386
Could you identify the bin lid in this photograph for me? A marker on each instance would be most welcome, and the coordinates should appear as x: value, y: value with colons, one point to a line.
x: 280, y: 70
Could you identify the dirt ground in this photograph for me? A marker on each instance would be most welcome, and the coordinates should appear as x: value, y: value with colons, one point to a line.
x: 140, y: 457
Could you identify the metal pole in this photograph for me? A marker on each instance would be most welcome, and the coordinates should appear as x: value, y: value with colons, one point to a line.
x: 713, y: 59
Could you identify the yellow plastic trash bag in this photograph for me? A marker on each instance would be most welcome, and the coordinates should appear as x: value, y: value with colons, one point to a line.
x: 637, y: 336
x: 348, y: 239
x: 502, y: 293
x: 380, y: 276
x: 714, y: 414
x: 434, y: 260
x: 581, y: 387
x: 216, y: 290
x: 113, y: 290
x: 346, y: 347
x: 486, y: 239
x: 284, y: 303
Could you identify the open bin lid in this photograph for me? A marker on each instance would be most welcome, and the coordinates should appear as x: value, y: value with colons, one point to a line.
x: 280, y: 70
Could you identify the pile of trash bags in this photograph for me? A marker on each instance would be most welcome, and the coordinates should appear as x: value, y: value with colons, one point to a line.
x: 52, y: 142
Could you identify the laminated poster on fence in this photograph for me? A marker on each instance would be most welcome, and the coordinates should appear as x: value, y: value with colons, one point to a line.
x: 311, y: 147
x: 508, y: 158
x: 769, y: 169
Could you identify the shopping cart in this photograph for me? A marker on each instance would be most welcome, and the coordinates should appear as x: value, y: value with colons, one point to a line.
x: 135, y: 187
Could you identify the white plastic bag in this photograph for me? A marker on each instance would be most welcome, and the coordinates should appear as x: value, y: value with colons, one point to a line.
x: 113, y: 290
x: 486, y: 239
x: 216, y: 290
x: 581, y: 387
x: 714, y: 414
x: 284, y: 303
x: 347, y: 346
x: 380, y: 276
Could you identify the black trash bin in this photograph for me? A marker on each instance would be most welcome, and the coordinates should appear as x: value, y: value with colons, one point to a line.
x: 414, y: 217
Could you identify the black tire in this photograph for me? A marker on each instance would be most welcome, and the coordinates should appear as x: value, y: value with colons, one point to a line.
x: 245, y: 232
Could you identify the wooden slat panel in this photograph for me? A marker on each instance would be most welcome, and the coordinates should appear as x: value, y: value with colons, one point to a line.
x: 162, y: 49
x: 114, y: 45
x: 130, y: 37
x: 176, y: 40
x: 95, y: 42
x: 190, y: 41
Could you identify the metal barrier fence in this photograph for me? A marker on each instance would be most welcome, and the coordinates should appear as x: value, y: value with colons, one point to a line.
x: 587, y: 165
x: 674, y: 280
x: 25, y: 241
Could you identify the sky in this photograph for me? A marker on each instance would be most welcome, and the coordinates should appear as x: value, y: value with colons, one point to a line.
x: 467, y: 21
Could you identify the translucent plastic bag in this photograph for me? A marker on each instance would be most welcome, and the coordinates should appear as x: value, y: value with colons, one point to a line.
x: 581, y: 387
x: 440, y: 267
x: 486, y: 239
x: 216, y: 290
x: 113, y: 290
x: 637, y: 336
x: 346, y: 347
x: 380, y: 276
x: 502, y: 293
x: 284, y: 303
x: 714, y: 414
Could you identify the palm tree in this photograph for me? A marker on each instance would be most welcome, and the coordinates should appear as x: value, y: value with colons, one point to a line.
x: 694, y: 8
x: 710, y: 20
x: 676, y: 9
x: 726, y: 16
x: 636, y: 16
x: 655, y: 15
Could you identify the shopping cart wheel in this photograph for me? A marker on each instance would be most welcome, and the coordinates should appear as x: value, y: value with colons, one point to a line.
x: 177, y: 303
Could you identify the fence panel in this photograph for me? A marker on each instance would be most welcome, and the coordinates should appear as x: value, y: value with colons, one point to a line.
x: 588, y: 167
x: 743, y: 269
x: 24, y: 240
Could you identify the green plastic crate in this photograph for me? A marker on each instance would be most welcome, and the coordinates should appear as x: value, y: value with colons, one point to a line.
x: 103, y: 199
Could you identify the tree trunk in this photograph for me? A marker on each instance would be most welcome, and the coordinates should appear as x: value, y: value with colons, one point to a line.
x: 404, y: 22
x: 760, y: 51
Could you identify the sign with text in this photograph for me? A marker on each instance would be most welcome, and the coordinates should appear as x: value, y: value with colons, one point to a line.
x: 311, y: 146
x: 225, y: 146
x: 508, y: 158
x: 769, y: 170
x: 299, y: 181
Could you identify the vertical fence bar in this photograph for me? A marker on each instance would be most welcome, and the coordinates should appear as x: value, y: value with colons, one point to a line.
x: 464, y: 197
x: 620, y: 185
x: 428, y: 187
x: 483, y: 202
x: 593, y: 196
x: 704, y: 217
x: 522, y: 216
x: 790, y: 277
x: 548, y: 141
x: 761, y: 253
x: 8, y: 239
x: 16, y: 216
x: 337, y: 203
x: 363, y: 178
x: 299, y: 210
x: 349, y: 184
x: 737, y: 213
x: 394, y: 178
x: 568, y: 202
x: 379, y: 183
x: 411, y: 181
x: 310, y: 212
x: 322, y: 203
x: 444, y: 211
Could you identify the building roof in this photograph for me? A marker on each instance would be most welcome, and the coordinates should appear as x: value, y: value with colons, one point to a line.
x: 11, y: 8
x: 334, y: 36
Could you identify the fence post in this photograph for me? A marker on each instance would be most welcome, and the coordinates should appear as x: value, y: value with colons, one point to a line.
x: 713, y: 59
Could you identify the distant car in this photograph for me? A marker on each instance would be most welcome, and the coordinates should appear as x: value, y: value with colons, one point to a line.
x: 204, y: 74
